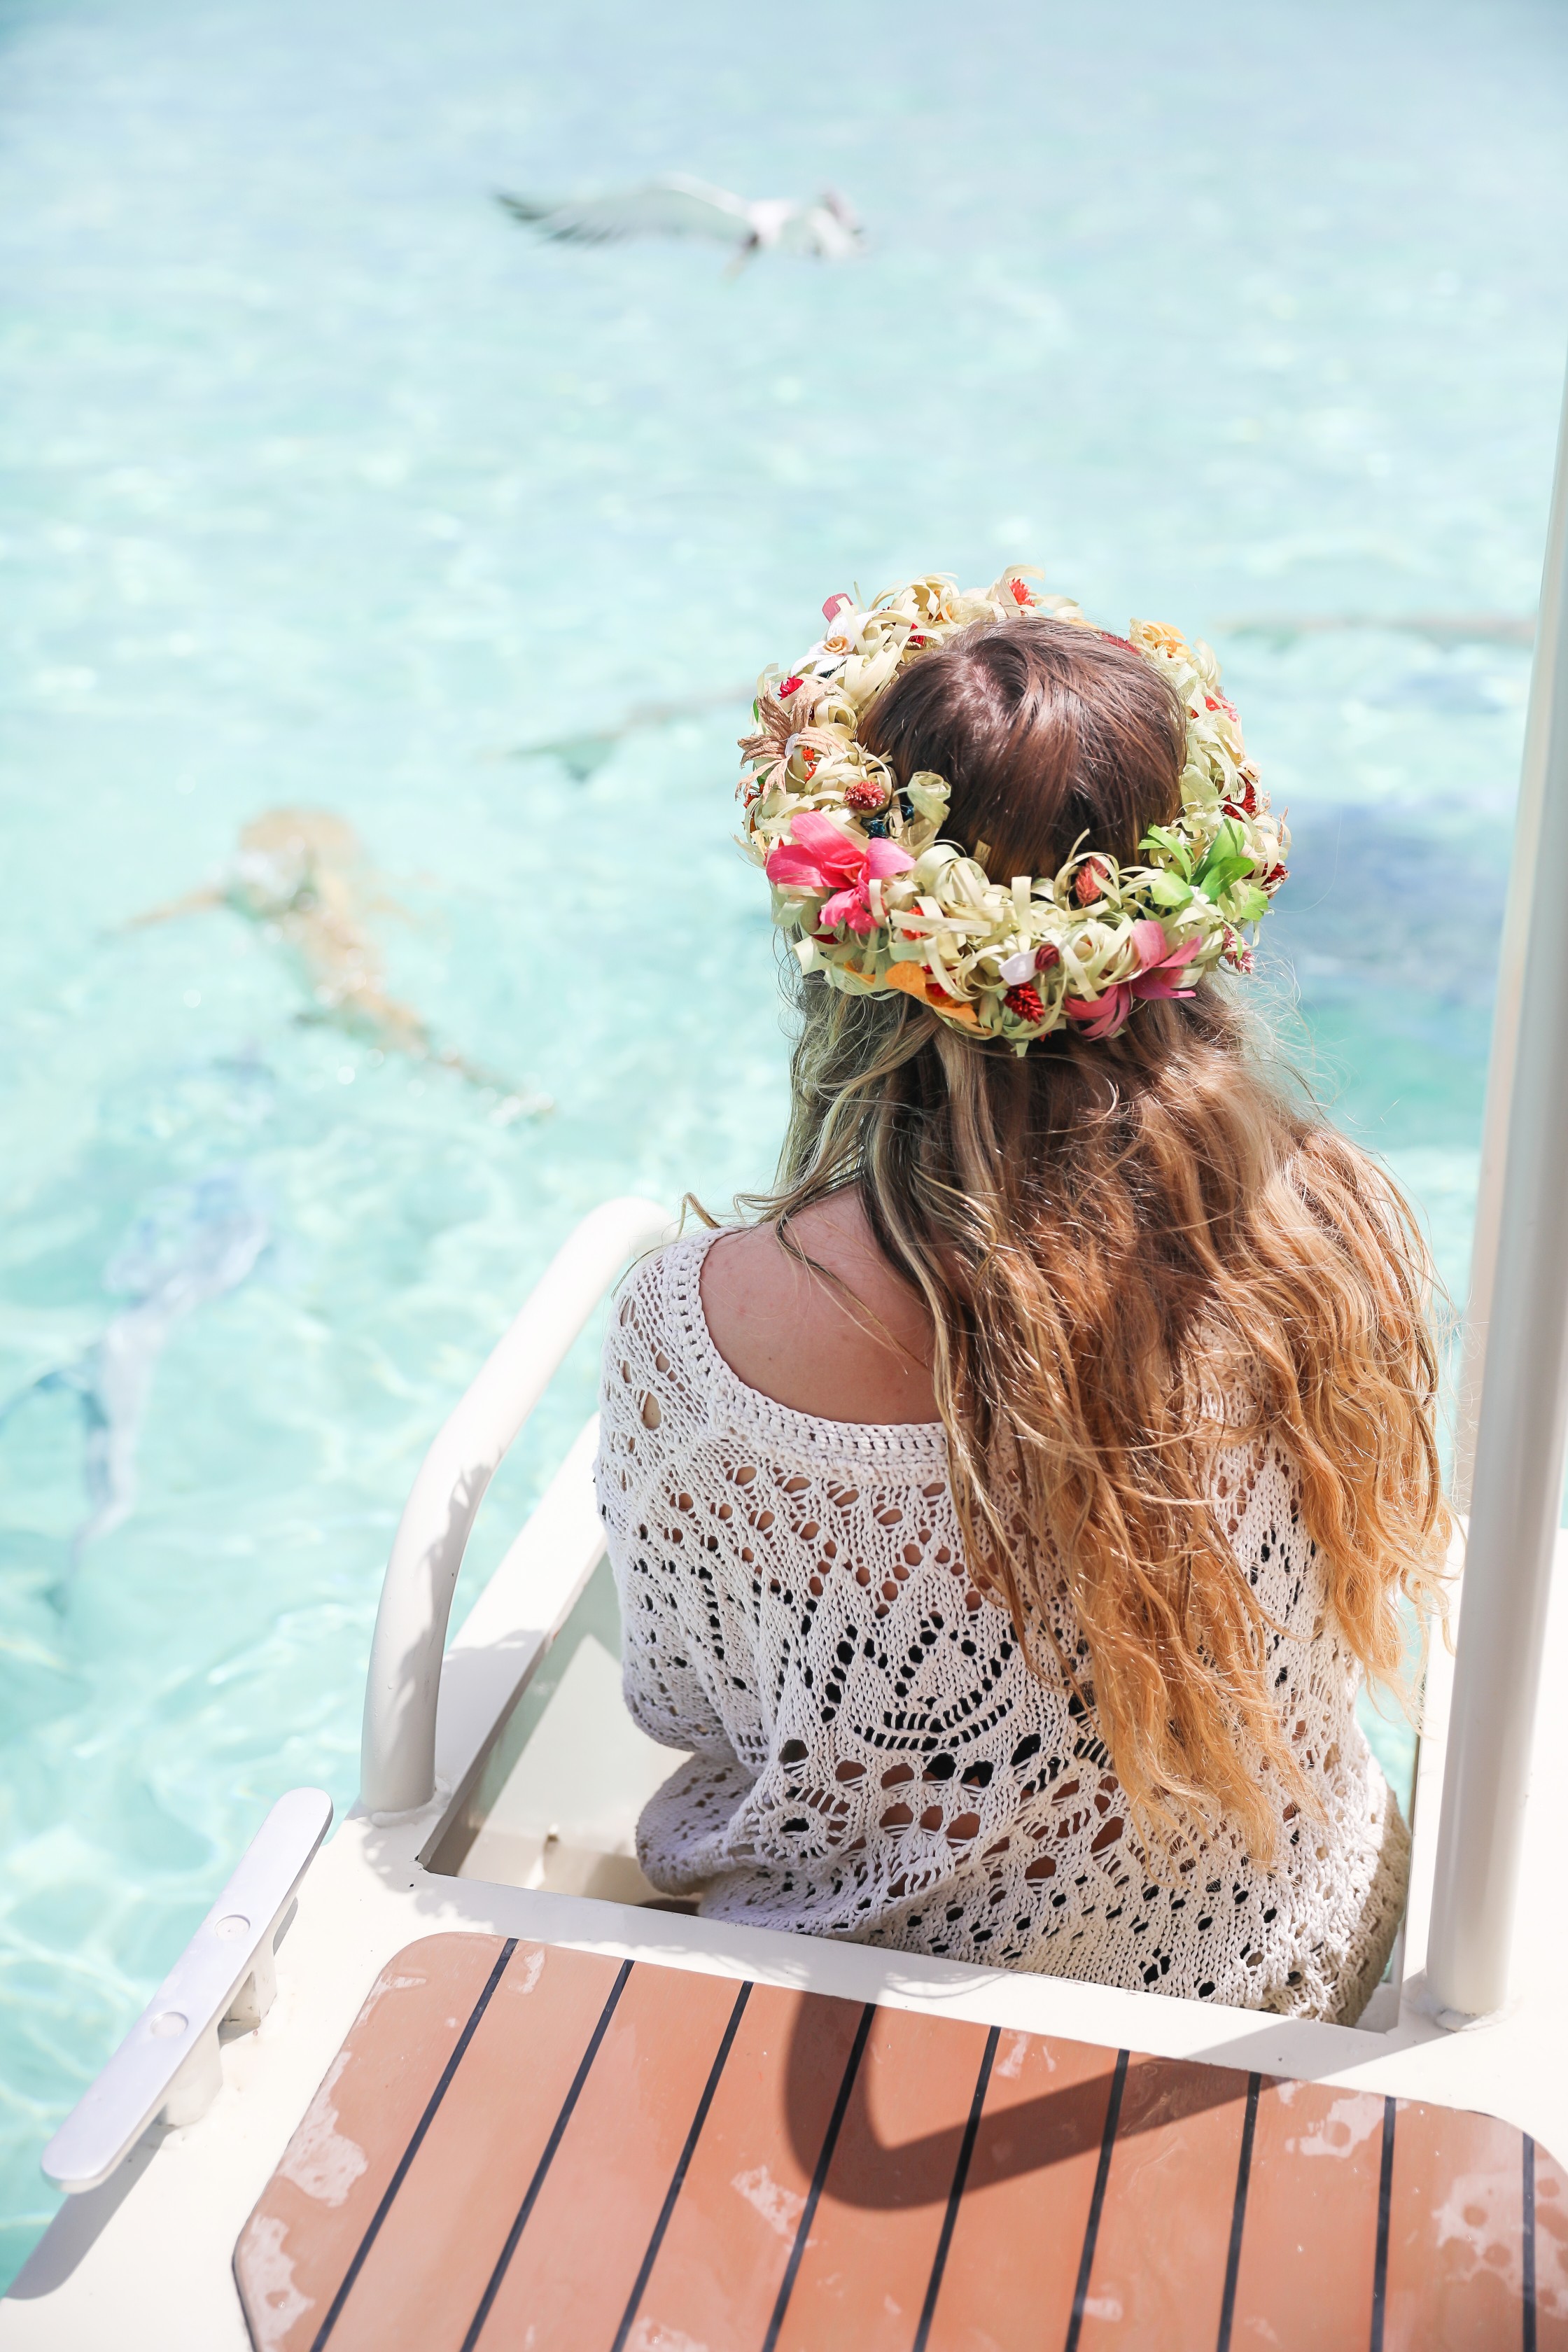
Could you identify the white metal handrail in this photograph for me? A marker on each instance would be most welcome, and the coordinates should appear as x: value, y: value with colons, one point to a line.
x: 397, y: 1754
x: 1519, y: 1329
x: 168, y: 2064
x: 1549, y: 682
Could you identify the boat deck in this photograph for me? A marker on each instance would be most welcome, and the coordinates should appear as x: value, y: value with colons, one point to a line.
x: 523, y: 2144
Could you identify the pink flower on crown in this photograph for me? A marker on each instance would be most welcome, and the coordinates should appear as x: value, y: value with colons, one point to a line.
x: 823, y: 856
x: 1162, y: 974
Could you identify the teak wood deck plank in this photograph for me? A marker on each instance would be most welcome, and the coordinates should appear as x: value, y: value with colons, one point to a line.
x: 317, y: 2220
x: 718, y: 2276
x: 570, y: 2279
x: 867, y: 2263
x: 472, y: 2170
x: 1156, y: 2276
x: 1456, y: 2246
x: 519, y: 2144
x: 1308, y: 2260
x: 1548, y: 2202
x: 1045, y: 2111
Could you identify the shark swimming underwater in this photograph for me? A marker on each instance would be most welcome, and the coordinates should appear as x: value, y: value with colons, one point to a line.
x: 302, y: 877
x: 193, y: 1244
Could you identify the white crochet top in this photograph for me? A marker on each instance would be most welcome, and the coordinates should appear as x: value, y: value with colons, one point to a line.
x: 870, y: 1753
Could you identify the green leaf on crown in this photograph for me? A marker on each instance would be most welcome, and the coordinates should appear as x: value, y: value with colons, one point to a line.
x: 1248, y: 903
x: 1160, y: 841
x: 1227, y: 862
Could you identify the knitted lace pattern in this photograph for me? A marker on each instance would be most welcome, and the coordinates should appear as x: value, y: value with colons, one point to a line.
x: 872, y: 1755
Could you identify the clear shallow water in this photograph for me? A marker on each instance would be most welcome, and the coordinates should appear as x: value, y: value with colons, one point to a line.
x: 320, y: 484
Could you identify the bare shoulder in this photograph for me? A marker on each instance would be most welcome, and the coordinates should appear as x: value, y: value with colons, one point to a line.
x: 843, y: 1336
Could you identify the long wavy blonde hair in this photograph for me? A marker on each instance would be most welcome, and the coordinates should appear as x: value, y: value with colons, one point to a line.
x: 1134, y: 1253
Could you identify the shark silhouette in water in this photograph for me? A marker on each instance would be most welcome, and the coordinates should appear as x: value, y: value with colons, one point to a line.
x: 302, y: 876
x: 193, y: 1244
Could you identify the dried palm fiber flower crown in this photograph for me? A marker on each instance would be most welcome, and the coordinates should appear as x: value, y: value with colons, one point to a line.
x: 880, y: 901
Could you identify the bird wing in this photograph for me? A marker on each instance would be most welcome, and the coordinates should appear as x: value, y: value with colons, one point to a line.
x: 675, y: 206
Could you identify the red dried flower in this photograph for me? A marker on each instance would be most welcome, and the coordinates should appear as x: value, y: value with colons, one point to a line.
x: 1046, y: 954
x: 1022, y: 592
x: 1088, y: 880
x: 865, y: 793
x: 1275, y: 876
x: 790, y: 685
x: 1025, y: 1001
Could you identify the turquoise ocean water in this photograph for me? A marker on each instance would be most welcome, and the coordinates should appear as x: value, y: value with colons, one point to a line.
x: 323, y: 486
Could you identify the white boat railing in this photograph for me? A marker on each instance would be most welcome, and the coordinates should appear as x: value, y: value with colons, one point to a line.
x: 1516, y: 1361
x: 397, y: 1755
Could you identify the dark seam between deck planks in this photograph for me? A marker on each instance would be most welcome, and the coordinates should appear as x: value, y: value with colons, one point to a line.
x: 1385, y: 2214
x: 1238, y: 2215
x: 542, y: 2167
x: 824, y: 2157
x: 1527, y: 2232
x: 955, y: 2194
x: 334, y: 2309
x: 678, y: 2180
x: 1096, y: 2203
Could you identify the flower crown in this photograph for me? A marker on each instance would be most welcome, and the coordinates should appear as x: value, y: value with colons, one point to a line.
x: 882, y: 902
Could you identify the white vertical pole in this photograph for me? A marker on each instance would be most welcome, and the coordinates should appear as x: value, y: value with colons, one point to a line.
x: 1517, y: 1484
x: 1510, y: 983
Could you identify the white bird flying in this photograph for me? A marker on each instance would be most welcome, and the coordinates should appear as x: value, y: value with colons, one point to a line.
x: 677, y: 206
